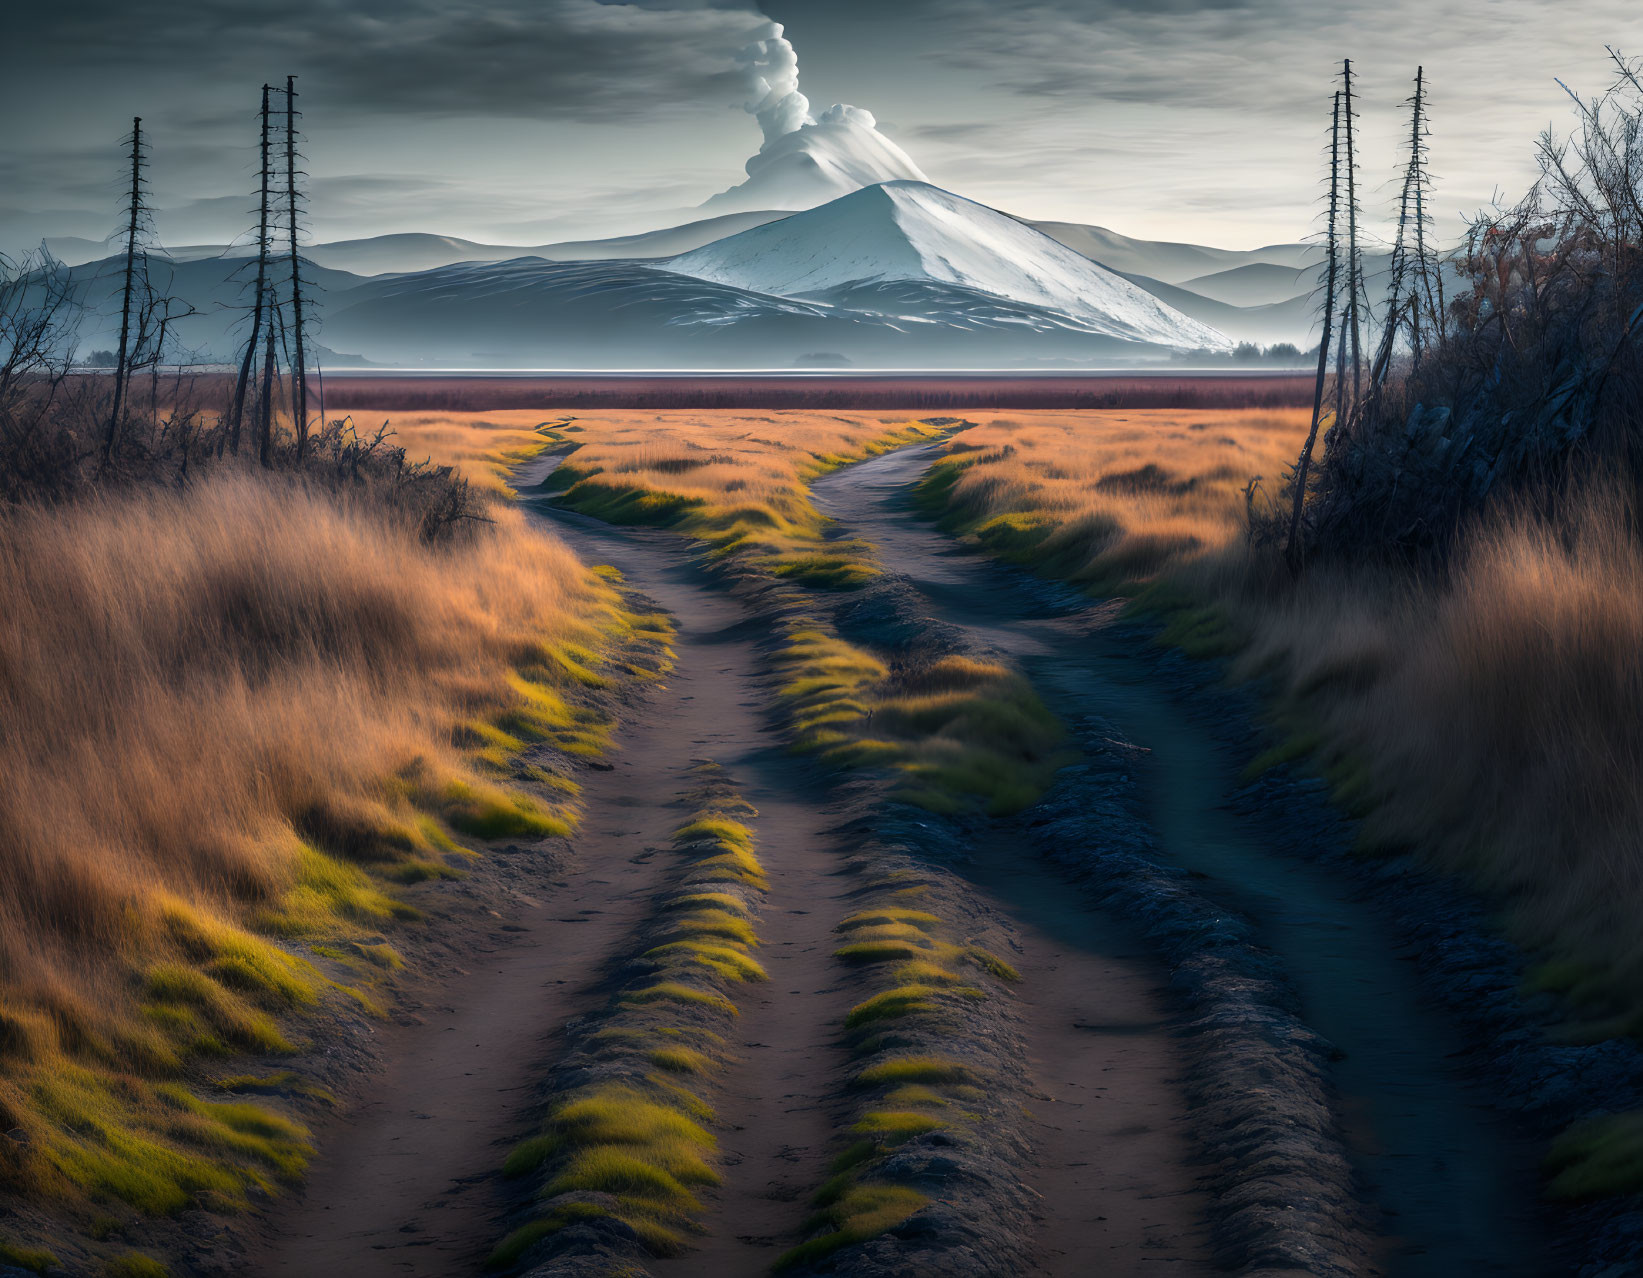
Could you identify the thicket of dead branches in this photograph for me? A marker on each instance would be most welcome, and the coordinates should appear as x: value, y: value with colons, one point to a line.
x: 54, y: 440
x: 1531, y: 375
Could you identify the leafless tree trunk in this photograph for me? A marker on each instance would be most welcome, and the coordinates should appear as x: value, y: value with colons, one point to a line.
x: 299, y: 369
x: 265, y: 408
x: 1399, y: 307
x: 1292, y: 549
x: 1428, y: 267
x: 259, y: 298
x: 1354, y: 257
x: 122, y: 367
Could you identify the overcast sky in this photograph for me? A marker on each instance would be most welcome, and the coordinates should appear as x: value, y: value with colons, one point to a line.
x: 516, y: 122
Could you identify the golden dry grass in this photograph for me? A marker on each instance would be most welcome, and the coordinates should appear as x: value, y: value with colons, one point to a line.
x: 231, y: 719
x: 484, y: 447
x: 960, y: 734
x: 738, y: 481
x: 1109, y: 498
x: 1493, y: 721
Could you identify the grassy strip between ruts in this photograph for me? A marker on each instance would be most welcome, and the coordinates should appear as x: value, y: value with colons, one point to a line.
x: 630, y: 1141
x: 917, y: 980
x: 720, y: 479
x: 129, y: 1103
x: 960, y: 734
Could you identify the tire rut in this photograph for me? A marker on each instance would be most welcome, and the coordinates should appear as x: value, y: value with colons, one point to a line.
x: 1454, y: 1187
x: 1112, y: 1171
x: 776, y: 1100
x: 408, y: 1184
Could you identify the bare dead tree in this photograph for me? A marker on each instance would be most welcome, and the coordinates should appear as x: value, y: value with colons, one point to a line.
x: 1402, y: 303
x: 136, y: 211
x: 1536, y: 373
x: 1427, y: 267
x: 39, y: 317
x: 159, y: 315
x: 1356, y: 292
x: 1292, y: 551
x: 260, y: 295
x: 265, y: 406
x: 299, y: 370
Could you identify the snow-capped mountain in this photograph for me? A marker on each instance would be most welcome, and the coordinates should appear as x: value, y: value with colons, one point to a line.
x: 532, y: 313
x: 912, y: 231
x: 839, y: 152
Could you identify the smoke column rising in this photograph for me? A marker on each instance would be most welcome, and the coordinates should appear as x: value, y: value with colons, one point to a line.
x: 774, y: 97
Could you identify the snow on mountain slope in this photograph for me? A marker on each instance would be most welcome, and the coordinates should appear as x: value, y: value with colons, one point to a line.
x: 532, y: 313
x: 913, y: 231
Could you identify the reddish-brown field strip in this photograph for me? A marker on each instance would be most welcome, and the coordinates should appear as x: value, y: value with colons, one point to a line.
x: 480, y: 393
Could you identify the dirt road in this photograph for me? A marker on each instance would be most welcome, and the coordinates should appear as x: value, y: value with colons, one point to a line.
x: 408, y: 1184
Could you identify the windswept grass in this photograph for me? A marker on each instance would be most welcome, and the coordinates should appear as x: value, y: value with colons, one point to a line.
x: 234, y: 720
x: 1109, y: 500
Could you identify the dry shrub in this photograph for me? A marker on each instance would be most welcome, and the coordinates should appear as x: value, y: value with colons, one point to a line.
x: 1534, y: 365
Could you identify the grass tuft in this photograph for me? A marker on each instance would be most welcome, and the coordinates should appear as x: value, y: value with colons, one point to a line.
x: 135, y: 1265
x: 35, y: 1260
x: 1598, y: 1158
x: 914, y: 1069
x: 864, y: 1211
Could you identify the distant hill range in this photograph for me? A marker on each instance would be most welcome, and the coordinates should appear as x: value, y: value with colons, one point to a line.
x: 893, y: 274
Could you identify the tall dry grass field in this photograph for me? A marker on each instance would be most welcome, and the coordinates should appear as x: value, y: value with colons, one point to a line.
x: 232, y: 719
x: 738, y: 481
x: 1108, y: 499
x: 1490, y: 718
x: 483, y: 447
